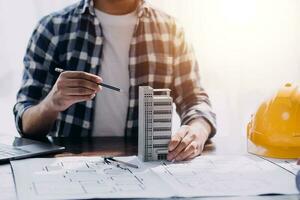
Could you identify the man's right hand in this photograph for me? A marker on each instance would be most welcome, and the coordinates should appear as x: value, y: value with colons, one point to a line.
x: 72, y: 87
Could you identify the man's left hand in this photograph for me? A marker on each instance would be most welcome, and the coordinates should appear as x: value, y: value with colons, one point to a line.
x: 189, y: 140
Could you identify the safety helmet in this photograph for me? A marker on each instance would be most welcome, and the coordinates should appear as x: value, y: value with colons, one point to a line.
x: 274, y: 131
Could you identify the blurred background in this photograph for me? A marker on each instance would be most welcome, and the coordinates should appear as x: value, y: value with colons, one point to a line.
x: 247, y: 49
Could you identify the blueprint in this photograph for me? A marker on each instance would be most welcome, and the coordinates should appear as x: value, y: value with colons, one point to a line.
x: 227, y: 176
x: 287, y: 164
x: 91, y: 177
x: 83, y: 177
x: 7, y: 187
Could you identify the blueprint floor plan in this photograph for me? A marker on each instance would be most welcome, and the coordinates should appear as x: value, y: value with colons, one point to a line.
x: 82, y: 177
x: 91, y: 177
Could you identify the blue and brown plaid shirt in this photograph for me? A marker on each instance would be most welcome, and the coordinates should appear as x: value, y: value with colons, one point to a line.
x: 72, y: 39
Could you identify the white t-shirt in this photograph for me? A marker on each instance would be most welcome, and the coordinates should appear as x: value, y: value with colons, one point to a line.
x: 111, y: 106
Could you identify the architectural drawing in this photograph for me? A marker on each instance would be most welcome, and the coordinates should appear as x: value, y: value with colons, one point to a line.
x: 155, y: 123
x: 84, y: 177
x: 226, y: 175
x: 206, y: 175
x: 288, y: 164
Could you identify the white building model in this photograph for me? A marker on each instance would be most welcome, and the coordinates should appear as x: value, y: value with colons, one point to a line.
x: 155, y: 123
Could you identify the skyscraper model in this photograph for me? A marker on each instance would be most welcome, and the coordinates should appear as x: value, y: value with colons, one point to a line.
x: 155, y: 123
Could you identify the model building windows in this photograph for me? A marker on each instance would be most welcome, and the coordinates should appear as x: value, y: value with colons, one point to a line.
x: 162, y: 103
x: 161, y: 112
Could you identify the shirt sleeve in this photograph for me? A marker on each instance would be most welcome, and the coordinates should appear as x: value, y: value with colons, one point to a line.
x: 38, y: 59
x: 191, y: 99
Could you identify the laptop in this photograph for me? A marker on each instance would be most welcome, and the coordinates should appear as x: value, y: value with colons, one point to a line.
x: 21, y: 148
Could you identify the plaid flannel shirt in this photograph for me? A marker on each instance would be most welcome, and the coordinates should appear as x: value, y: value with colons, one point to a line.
x: 72, y: 39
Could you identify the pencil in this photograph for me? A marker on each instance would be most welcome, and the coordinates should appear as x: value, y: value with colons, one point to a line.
x: 59, y: 70
x: 111, y: 159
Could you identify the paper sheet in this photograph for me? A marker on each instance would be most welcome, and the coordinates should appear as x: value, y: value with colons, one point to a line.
x: 84, y: 177
x: 90, y: 177
x: 288, y: 164
x: 7, y: 187
x: 227, y: 176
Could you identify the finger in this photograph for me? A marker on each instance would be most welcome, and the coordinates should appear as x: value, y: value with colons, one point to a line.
x: 76, y: 99
x: 182, y: 145
x: 81, y: 75
x: 196, y: 153
x: 176, y: 139
x: 82, y: 83
x: 189, y: 151
x: 79, y: 91
x: 192, y: 156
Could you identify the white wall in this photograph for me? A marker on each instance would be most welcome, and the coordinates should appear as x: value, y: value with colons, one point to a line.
x: 246, y: 49
x: 17, y: 20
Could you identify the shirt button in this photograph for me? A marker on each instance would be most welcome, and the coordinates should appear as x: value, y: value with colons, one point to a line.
x: 86, y: 124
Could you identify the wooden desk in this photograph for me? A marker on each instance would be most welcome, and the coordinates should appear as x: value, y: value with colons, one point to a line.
x: 106, y: 146
x: 120, y: 147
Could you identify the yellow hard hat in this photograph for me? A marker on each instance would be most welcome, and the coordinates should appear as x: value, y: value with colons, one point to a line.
x: 274, y: 131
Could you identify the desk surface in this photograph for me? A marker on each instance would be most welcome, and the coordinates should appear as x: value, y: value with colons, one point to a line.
x: 120, y: 147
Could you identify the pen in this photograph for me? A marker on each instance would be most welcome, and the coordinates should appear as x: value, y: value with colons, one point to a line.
x: 59, y: 70
x: 111, y: 159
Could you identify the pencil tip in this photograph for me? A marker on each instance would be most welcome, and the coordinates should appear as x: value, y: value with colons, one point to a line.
x: 58, y: 70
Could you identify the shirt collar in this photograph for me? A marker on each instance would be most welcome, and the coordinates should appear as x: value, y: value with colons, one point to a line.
x: 143, y: 9
x: 88, y: 5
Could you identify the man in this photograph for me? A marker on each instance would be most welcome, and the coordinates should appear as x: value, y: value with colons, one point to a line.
x: 125, y: 43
